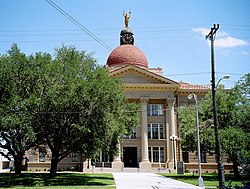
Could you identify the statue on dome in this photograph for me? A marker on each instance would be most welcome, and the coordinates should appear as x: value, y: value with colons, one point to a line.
x: 126, y: 18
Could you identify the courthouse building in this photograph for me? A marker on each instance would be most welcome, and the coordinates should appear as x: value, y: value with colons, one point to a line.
x: 155, y: 144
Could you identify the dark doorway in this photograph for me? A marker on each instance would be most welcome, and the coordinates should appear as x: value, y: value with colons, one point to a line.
x: 130, y: 156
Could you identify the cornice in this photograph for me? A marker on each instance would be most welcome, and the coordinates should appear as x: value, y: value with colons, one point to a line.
x: 151, y: 87
x: 185, y: 92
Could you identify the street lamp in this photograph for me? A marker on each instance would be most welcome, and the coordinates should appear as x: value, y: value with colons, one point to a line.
x: 224, y: 77
x: 220, y: 166
x: 200, y: 179
x: 173, y: 139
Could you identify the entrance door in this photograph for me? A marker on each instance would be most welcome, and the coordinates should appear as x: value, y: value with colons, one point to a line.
x: 130, y: 156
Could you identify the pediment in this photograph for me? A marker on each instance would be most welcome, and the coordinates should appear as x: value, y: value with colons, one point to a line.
x: 131, y: 74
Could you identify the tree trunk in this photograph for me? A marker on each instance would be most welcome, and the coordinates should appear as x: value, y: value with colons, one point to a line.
x: 18, y: 164
x: 235, y: 168
x: 53, y: 166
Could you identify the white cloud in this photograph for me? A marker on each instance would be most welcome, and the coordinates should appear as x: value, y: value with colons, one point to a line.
x: 227, y: 42
x: 222, y: 34
x: 223, y: 39
x: 202, y: 31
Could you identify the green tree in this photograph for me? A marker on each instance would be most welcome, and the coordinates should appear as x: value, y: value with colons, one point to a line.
x: 233, y: 118
x: 188, y: 120
x: 234, y: 142
x: 18, y: 75
x: 81, y: 108
x: 239, y: 98
x: 68, y: 103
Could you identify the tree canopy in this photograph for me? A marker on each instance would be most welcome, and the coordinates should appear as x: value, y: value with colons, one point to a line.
x: 18, y: 77
x: 233, y: 117
x: 69, y: 101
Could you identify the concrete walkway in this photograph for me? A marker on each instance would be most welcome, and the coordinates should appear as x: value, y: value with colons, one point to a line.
x: 4, y: 170
x: 148, y: 181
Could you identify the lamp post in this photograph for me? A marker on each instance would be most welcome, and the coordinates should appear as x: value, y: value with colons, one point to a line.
x: 173, y: 139
x: 220, y: 166
x: 200, y: 179
x: 224, y: 77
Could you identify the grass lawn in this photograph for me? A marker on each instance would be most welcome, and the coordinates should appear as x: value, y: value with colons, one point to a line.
x: 61, y: 180
x: 210, y: 180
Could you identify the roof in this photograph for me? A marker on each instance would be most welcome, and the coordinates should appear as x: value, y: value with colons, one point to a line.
x: 127, y: 55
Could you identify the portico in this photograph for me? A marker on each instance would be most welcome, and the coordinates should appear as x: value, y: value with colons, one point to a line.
x: 156, y: 96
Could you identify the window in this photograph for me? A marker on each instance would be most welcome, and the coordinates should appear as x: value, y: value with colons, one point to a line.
x: 155, y: 131
x: 74, y: 157
x: 130, y: 136
x: 42, y: 154
x: 185, y: 156
x: 133, y: 135
x: 156, y: 154
x: 155, y: 110
x: 161, y: 131
x: 203, y: 157
x: 161, y: 154
x: 149, y: 154
x: 103, y: 157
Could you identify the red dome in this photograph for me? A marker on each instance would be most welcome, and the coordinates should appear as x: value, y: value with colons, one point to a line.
x: 127, y: 54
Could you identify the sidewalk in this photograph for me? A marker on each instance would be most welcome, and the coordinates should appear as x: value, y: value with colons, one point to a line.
x: 4, y: 170
x: 148, y: 181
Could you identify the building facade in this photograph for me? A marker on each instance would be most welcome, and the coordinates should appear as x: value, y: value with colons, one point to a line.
x: 155, y: 144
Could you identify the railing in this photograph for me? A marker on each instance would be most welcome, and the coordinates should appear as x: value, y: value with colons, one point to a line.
x: 103, y: 164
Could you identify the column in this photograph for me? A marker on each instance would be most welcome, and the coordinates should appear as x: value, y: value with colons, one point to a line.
x: 87, y: 166
x: 172, y: 117
x: 167, y: 134
x: 117, y: 164
x: 145, y: 165
x: 171, y: 135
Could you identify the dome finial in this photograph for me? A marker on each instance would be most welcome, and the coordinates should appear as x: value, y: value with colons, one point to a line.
x: 126, y: 18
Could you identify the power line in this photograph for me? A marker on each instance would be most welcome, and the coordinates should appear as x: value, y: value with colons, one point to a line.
x: 35, y: 33
x: 78, y: 40
x: 197, y: 73
x: 74, y: 21
x: 231, y: 73
x: 109, y: 31
x: 149, y: 28
x: 201, y: 73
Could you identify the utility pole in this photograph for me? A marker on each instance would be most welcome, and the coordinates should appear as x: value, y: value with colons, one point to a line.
x: 220, y: 167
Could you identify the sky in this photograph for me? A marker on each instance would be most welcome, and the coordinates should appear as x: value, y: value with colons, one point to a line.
x: 171, y: 33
